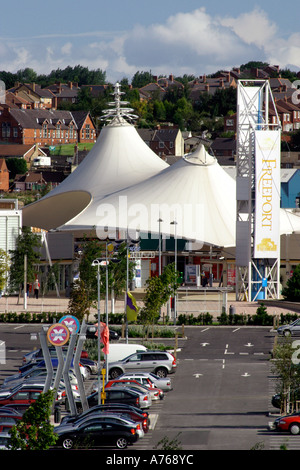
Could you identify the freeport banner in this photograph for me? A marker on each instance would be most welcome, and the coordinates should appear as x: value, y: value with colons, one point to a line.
x: 267, y: 194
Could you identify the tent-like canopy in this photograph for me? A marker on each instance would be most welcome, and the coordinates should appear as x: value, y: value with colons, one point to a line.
x: 196, y: 193
x: 119, y: 159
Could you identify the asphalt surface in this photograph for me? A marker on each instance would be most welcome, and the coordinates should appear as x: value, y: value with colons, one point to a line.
x: 221, y: 397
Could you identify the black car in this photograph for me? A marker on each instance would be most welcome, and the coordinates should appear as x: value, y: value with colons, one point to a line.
x: 91, y: 333
x: 134, y: 413
x: 113, y: 395
x: 96, y: 432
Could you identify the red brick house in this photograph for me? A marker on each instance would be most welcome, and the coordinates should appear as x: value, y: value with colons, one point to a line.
x: 4, y: 176
x: 85, y: 126
x: 45, y: 127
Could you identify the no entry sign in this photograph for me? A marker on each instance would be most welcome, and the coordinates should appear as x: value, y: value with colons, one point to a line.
x: 58, y: 334
x: 71, y: 322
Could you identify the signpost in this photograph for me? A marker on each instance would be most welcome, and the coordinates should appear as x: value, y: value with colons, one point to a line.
x: 58, y: 334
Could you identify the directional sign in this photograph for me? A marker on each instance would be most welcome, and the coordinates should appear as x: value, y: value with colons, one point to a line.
x: 58, y: 334
x: 71, y: 322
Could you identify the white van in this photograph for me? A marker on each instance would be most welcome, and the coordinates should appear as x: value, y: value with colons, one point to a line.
x: 117, y: 352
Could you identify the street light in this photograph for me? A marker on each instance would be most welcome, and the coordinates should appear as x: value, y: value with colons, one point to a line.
x: 159, y: 246
x: 175, y: 249
x: 98, y: 262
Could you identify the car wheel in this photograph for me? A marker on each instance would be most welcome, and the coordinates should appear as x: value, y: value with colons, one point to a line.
x: 121, y: 443
x: 115, y: 373
x: 161, y: 372
x: 287, y: 333
x: 294, y: 428
x: 67, y: 443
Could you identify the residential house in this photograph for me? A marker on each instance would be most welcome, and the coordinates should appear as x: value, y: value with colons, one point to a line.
x: 38, y: 180
x: 165, y: 142
x: 64, y: 92
x: 204, y: 84
x: 37, y: 126
x: 34, y: 95
x: 224, y: 149
x: 4, y: 176
x: 28, y: 152
x: 85, y: 126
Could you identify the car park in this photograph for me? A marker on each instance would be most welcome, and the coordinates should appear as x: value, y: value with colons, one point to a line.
x: 8, y: 417
x: 37, y: 354
x: 159, y: 362
x: 96, y: 432
x: 84, y: 371
x: 154, y: 393
x: 288, y: 423
x: 36, y: 373
x: 293, y: 329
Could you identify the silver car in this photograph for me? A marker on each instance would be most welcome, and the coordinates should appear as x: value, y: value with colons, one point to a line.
x: 149, y: 379
x: 159, y: 362
x: 293, y: 329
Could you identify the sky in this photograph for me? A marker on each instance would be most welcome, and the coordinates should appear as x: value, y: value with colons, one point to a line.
x: 159, y: 36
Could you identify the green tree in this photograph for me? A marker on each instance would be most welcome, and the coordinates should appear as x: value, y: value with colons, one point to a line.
x: 27, y: 243
x: 287, y: 372
x: 158, y: 291
x: 34, y: 431
x: 16, y: 166
x: 292, y: 290
x: 79, y: 303
x: 4, y: 269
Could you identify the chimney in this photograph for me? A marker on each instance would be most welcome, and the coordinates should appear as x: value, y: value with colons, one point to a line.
x: 70, y: 85
x: 207, y: 87
x: 171, y: 78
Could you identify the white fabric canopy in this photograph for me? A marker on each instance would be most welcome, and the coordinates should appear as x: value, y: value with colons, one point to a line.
x: 119, y: 159
x: 196, y: 193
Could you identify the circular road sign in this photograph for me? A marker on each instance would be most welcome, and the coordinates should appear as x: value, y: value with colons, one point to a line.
x: 70, y: 322
x: 58, y: 334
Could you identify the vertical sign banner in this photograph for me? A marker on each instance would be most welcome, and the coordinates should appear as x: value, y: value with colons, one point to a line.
x: 267, y: 194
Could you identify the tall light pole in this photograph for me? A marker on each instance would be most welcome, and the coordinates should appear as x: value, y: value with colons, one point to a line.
x: 159, y: 246
x: 97, y: 262
x: 175, y: 254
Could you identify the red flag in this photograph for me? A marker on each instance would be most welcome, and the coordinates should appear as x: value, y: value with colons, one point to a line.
x: 104, y: 336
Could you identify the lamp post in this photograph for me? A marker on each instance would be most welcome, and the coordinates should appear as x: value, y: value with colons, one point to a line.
x: 97, y: 262
x: 159, y: 246
x: 175, y: 253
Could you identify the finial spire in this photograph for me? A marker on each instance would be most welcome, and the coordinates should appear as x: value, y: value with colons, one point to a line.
x: 117, y: 114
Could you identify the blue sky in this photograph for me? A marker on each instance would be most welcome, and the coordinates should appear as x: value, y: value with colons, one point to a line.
x: 164, y: 37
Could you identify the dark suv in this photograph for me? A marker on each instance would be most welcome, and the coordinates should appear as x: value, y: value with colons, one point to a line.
x: 160, y: 363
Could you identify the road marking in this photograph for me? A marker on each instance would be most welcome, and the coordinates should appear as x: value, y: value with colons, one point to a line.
x: 244, y: 354
x: 17, y: 327
x: 246, y: 374
x: 197, y: 375
x: 226, y: 352
x: 249, y: 345
x: 204, y: 344
x: 202, y: 331
x: 237, y: 329
x: 153, y: 420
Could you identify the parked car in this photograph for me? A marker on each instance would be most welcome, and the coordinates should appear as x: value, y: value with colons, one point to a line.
x: 36, y: 373
x: 154, y: 393
x: 37, y: 354
x: 84, y: 371
x: 159, y: 362
x: 289, y: 423
x: 97, y: 432
x: 110, y: 407
x: 92, y: 330
x: 293, y: 329
x: 8, y: 417
x: 4, y: 440
x: 20, y: 398
x: 113, y: 395
x: 149, y: 379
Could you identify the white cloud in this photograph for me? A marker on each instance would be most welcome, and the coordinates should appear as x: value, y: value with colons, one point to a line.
x: 192, y: 43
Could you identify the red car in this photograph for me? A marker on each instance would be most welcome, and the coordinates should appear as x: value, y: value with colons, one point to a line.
x: 289, y: 423
x: 20, y: 398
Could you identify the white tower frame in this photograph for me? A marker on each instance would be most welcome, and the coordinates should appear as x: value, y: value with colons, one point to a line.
x: 252, y: 275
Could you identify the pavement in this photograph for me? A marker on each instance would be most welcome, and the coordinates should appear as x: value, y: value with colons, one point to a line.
x: 190, y: 305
